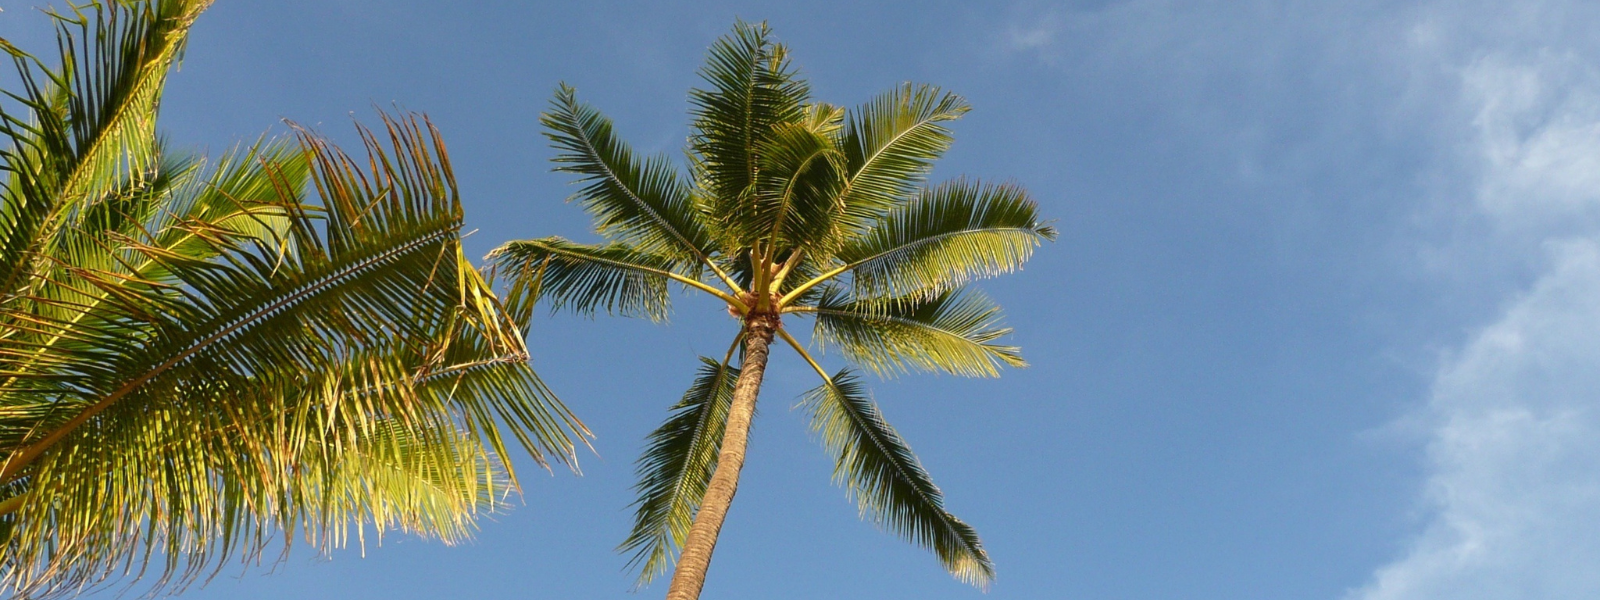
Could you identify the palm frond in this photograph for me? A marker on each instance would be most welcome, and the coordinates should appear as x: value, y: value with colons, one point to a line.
x: 886, y: 480
x: 676, y: 467
x: 752, y: 88
x: 637, y: 201
x: 948, y: 235
x: 584, y: 278
x: 85, y: 126
x: 890, y: 145
x: 953, y: 332
x: 796, y: 201
x: 220, y: 480
x: 329, y: 367
x: 239, y: 195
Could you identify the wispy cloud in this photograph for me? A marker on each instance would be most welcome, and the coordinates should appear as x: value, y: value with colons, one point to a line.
x: 1032, y: 36
x: 1510, y: 95
x: 1513, y: 450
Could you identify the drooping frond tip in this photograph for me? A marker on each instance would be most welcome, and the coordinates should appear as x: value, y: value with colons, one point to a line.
x: 641, y: 202
x: 584, y: 278
x: 675, y: 468
x: 887, y: 481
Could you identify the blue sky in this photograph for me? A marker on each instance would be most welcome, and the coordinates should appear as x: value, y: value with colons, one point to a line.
x: 1323, y: 321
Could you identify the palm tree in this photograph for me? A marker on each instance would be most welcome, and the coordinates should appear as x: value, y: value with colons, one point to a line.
x: 197, y: 357
x: 790, y: 208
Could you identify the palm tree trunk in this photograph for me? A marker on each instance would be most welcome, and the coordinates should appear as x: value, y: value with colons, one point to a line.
x: 690, y: 574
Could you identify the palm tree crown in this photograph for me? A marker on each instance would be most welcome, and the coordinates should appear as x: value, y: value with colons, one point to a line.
x: 790, y: 208
x: 198, y: 358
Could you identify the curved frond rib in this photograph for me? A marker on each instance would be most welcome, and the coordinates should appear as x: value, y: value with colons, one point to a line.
x: 796, y: 202
x: 585, y: 278
x: 890, y: 145
x: 228, y: 327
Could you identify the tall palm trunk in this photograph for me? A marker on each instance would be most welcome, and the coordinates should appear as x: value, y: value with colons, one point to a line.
x: 690, y: 574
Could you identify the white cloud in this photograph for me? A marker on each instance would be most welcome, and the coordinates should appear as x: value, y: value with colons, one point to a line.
x: 1034, y: 36
x: 1539, y: 124
x: 1513, y: 452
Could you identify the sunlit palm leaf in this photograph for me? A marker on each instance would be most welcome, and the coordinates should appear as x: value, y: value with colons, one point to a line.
x: 796, y: 201
x: 638, y: 201
x: 85, y: 126
x: 240, y: 196
x: 676, y: 466
x: 246, y: 385
x: 953, y: 332
x: 948, y: 235
x: 890, y: 146
x: 887, y: 481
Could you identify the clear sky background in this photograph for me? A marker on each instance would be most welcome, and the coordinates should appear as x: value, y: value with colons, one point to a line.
x: 1323, y: 321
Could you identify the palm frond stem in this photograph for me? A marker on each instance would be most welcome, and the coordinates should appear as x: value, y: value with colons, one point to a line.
x: 798, y: 347
x: 840, y: 270
x: 788, y: 266
x: 10, y: 505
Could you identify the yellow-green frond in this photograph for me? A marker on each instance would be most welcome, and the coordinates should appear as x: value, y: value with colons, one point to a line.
x: 948, y: 235
x: 886, y: 479
x: 83, y: 127
x: 890, y: 145
x: 221, y: 386
x: 953, y: 332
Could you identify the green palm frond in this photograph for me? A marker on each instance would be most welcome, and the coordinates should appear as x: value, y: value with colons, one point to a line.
x: 641, y: 202
x: 398, y: 476
x: 676, y: 466
x: 753, y: 88
x: 214, y: 312
x: 86, y: 126
x: 486, y: 383
x: 584, y: 277
x: 241, y: 196
x: 953, y: 332
x: 948, y: 235
x: 890, y: 146
x: 796, y: 201
x: 887, y: 481
x: 253, y: 469
x: 237, y: 198
x: 254, y: 364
